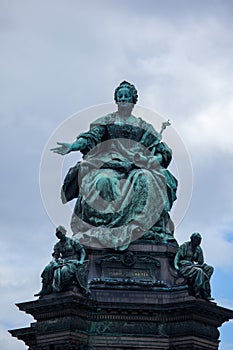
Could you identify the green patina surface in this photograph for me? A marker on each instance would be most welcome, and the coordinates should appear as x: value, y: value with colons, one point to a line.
x: 123, y: 188
x: 189, y: 261
x: 68, y: 265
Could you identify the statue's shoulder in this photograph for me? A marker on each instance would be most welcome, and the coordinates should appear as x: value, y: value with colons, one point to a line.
x: 199, y: 250
x: 57, y: 246
x: 139, y: 122
x: 75, y: 243
x: 106, y: 119
x: 146, y: 126
x: 184, y: 246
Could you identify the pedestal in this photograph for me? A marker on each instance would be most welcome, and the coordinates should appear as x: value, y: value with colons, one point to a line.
x: 137, y: 301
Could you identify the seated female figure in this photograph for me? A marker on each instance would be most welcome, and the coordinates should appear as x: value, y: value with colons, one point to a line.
x: 122, y: 186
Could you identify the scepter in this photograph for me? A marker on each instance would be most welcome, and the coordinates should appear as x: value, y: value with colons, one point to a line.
x: 164, y: 126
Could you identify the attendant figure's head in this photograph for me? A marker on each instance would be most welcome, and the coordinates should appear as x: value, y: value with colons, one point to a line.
x: 196, y: 239
x: 125, y: 96
x: 61, y: 232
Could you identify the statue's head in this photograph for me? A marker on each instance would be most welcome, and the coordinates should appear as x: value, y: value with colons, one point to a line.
x: 196, y: 238
x: 130, y: 91
x: 60, y: 231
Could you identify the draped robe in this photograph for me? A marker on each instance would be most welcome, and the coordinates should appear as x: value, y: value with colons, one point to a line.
x: 121, y: 188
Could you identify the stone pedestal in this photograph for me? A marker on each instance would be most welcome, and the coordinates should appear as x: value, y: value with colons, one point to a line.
x: 137, y: 301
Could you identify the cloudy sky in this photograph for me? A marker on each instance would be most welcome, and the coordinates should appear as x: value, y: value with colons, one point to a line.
x: 60, y: 57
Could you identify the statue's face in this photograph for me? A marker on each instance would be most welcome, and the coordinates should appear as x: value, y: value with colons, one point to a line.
x: 60, y: 235
x: 124, y: 97
x: 196, y: 240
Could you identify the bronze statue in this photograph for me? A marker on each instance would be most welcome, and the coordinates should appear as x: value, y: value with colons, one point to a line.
x: 122, y: 186
x: 189, y: 262
x: 67, y: 265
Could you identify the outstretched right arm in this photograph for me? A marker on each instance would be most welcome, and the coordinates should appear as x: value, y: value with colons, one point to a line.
x: 65, y: 148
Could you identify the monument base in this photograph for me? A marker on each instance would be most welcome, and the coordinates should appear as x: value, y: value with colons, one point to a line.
x: 70, y: 321
x: 137, y: 301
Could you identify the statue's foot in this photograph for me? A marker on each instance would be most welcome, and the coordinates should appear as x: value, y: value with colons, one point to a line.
x: 40, y: 293
x: 207, y: 296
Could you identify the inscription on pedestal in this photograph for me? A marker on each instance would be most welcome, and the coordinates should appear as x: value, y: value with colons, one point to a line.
x: 129, y: 268
x: 136, y: 274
